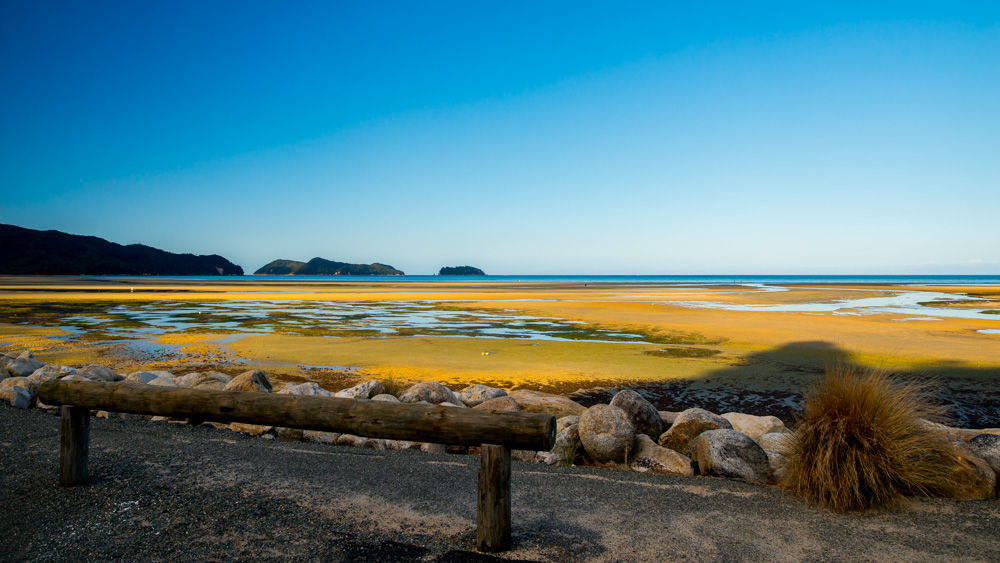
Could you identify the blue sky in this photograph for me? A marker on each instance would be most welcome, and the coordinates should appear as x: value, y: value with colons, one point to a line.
x: 574, y: 138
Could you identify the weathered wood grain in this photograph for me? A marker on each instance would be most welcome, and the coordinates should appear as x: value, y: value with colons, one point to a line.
x: 74, y: 445
x: 493, y: 509
x: 420, y: 423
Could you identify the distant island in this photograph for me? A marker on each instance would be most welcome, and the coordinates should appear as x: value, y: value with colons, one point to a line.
x: 461, y: 271
x: 322, y: 267
x: 29, y: 252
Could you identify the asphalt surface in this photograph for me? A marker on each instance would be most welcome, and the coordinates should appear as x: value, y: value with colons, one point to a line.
x: 172, y: 492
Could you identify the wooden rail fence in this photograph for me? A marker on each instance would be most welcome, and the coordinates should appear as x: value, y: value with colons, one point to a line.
x: 496, y: 433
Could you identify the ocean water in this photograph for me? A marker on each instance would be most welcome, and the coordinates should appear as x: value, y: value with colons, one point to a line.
x: 713, y: 279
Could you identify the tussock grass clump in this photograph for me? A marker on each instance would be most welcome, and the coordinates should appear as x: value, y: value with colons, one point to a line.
x: 860, y: 443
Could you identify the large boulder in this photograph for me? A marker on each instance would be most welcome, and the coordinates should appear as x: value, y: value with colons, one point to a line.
x: 687, y: 426
x: 211, y: 380
x: 75, y: 377
x: 479, y: 393
x: 308, y: 389
x: 385, y: 398
x: 777, y: 446
x: 546, y: 403
x: 973, y: 476
x: 51, y: 371
x: 644, y: 416
x: 950, y: 433
x: 430, y: 391
x: 97, y: 372
x: 668, y: 418
x: 23, y: 385
x: 650, y: 457
x: 26, y: 383
x: 23, y: 365
x: 148, y: 376
x: 16, y: 396
x: 606, y: 433
x: 567, y: 446
x: 728, y: 453
x: 365, y: 390
x: 755, y: 426
x: 163, y: 382
x: 987, y: 448
x: 504, y: 404
x: 252, y: 381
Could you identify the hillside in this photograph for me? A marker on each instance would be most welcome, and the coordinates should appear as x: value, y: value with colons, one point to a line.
x: 461, y: 271
x: 323, y: 267
x: 50, y: 253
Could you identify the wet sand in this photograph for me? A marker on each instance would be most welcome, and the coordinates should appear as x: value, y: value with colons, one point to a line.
x: 764, y: 358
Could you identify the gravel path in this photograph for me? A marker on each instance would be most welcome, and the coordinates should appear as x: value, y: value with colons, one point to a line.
x: 173, y: 492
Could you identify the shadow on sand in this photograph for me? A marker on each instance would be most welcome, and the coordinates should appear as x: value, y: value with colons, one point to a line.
x: 772, y: 382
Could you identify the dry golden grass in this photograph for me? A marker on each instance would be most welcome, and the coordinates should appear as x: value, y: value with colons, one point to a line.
x: 860, y: 443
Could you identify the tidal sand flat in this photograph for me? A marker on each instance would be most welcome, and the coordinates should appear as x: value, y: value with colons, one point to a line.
x: 725, y: 347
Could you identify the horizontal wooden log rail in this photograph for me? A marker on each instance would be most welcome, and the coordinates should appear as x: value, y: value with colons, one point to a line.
x: 496, y: 433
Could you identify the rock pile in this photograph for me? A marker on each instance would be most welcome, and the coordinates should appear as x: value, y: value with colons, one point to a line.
x: 628, y: 433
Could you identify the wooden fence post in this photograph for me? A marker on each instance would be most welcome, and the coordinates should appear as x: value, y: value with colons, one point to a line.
x: 493, y: 514
x: 74, y: 445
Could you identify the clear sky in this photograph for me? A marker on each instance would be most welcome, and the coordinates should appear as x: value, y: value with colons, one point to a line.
x: 522, y: 138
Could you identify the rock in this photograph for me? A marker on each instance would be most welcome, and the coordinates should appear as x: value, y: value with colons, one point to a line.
x: 50, y: 372
x: 207, y: 380
x: 142, y: 376
x: 385, y: 398
x: 362, y: 442
x: 26, y: 383
x: 953, y: 434
x: 401, y: 444
x: 252, y: 381
x: 317, y: 437
x: 457, y: 401
x: 987, y: 448
x: 430, y: 391
x: 755, y: 426
x: 566, y: 448
x: 606, y: 433
x: 653, y: 458
x: 974, y: 477
x: 434, y: 448
x: 163, y: 382
x: 565, y: 422
x: 16, y: 396
x: 374, y: 444
x: 308, y: 389
x: 288, y: 434
x: 687, y: 426
x: 643, y: 415
x: 547, y: 403
x: 776, y: 441
x: 450, y: 404
x: 23, y: 366
x: 728, y: 453
x: 518, y: 455
x: 365, y: 390
x: 668, y: 417
x: 252, y: 429
x: 97, y: 372
x: 348, y: 439
x: 501, y: 404
x: 478, y: 393
x: 75, y: 377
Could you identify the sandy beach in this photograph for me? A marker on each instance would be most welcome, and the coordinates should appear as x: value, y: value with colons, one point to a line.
x: 729, y: 345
